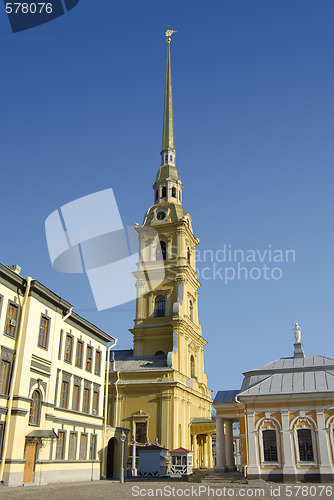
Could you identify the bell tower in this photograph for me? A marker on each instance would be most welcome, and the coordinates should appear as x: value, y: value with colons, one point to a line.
x: 166, y: 280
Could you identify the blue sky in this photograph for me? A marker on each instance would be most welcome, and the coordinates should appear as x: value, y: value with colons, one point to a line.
x: 81, y: 111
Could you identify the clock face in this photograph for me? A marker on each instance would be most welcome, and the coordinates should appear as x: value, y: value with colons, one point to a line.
x: 161, y: 215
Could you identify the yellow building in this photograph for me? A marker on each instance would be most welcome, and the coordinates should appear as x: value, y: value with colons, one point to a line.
x: 286, y: 415
x: 52, y: 369
x: 159, y: 389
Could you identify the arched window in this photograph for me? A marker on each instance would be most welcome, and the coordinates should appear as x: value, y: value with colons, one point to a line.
x: 160, y: 307
x: 170, y: 158
x: 174, y: 192
x: 156, y: 195
x: 191, y: 310
x: 188, y: 255
x: 164, y: 192
x: 161, y: 251
x: 35, y: 408
x: 166, y: 158
x: 192, y: 366
x: 269, y: 445
x: 305, y: 445
x: 159, y: 353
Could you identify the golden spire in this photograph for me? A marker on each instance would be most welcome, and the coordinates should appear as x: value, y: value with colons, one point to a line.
x: 168, y: 127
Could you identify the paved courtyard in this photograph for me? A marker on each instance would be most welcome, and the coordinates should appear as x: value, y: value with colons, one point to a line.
x: 110, y: 490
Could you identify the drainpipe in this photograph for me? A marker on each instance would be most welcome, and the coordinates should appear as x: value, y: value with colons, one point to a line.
x: 116, y: 409
x: 68, y: 314
x: 13, y: 378
x: 104, y: 460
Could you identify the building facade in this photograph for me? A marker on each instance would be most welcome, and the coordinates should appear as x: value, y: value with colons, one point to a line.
x: 286, y: 414
x: 52, y: 372
x: 159, y: 388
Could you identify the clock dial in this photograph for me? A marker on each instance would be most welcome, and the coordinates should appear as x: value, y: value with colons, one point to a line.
x: 161, y: 215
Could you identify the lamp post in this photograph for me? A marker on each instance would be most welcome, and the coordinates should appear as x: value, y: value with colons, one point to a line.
x: 122, y: 439
x: 133, y: 465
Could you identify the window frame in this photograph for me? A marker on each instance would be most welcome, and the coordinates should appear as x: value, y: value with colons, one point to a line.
x: 64, y: 383
x: 68, y: 359
x: 47, y: 333
x: 73, y: 448
x: 89, y: 348
x: 35, y: 409
x: 83, y: 451
x: 93, y: 447
x: 158, y: 310
x: 95, y: 402
x: 86, y: 401
x: 81, y: 343
x: 97, y: 367
x: 77, y: 406
x: 60, y: 450
x: 5, y: 382
x: 11, y: 304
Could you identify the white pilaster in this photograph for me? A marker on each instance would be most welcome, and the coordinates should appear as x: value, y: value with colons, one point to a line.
x: 325, y: 464
x: 253, y: 468
x: 289, y: 467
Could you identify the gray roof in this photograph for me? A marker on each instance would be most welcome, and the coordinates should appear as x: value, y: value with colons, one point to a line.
x: 125, y: 361
x: 226, y: 396
x: 290, y: 376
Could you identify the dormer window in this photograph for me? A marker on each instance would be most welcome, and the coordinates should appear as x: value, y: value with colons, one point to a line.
x: 173, y: 192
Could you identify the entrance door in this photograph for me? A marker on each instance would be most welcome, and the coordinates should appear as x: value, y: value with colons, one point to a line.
x: 112, y: 445
x: 30, y: 462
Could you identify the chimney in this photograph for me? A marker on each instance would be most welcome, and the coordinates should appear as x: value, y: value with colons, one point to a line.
x: 15, y: 268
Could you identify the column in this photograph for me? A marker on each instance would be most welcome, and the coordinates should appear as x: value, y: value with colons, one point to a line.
x: 195, y: 450
x: 220, y: 445
x: 230, y: 464
x: 253, y: 469
x: 205, y: 452
x: 289, y: 469
x: 325, y: 466
x: 209, y: 437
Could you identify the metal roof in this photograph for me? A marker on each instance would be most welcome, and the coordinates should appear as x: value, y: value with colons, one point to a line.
x: 226, y: 396
x: 125, y: 361
x: 290, y: 376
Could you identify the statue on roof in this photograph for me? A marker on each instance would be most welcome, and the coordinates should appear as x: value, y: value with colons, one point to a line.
x: 297, y: 329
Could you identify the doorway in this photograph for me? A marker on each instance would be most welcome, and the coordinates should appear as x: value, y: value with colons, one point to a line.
x: 29, y: 466
x: 112, y: 447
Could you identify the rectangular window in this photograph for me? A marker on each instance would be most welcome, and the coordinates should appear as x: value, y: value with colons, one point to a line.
x: 60, y: 445
x: 85, y: 404
x: 68, y: 348
x: 83, y: 447
x: 141, y: 432
x: 76, y: 392
x: 97, y: 363
x: 305, y: 445
x: 64, y: 394
x: 72, y: 446
x: 269, y: 445
x: 1, y: 436
x: 12, y: 318
x: 43, y: 332
x: 92, y: 454
x: 4, y: 374
x: 89, y: 355
x: 60, y: 343
x: 95, y: 402
x: 78, y: 357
